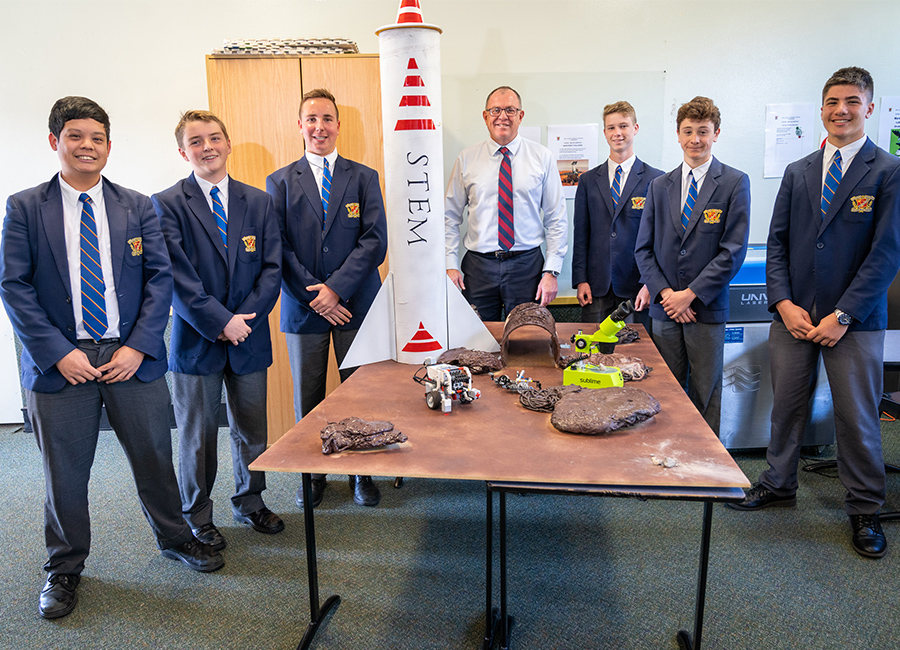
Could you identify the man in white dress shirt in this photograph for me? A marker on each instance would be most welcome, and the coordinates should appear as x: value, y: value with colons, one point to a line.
x: 513, y: 193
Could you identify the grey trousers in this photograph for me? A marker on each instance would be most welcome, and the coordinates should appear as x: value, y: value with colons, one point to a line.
x: 197, y: 400
x: 67, y: 426
x: 855, y: 373
x: 694, y: 353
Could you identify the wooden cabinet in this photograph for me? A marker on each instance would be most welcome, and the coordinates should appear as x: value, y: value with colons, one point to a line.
x: 258, y: 98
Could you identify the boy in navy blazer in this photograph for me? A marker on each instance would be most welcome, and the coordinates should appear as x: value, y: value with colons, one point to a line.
x: 225, y: 248
x: 87, y: 283
x: 692, y: 241
x: 833, y: 251
x: 609, y: 203
x: 334, y: 236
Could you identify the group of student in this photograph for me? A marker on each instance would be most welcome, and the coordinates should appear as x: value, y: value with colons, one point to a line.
x: 672, y: 243
x: 89, y: 270
x: 88, y: 273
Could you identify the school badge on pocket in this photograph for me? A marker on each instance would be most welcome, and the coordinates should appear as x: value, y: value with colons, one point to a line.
x: 249, y: 243
x: 712, y: 216
x: 862, y: 203
x: 353, y: 210
x: 137, y: 246
x: 637, y: 202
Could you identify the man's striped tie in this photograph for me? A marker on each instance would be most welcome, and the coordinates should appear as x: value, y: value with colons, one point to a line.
x: 506, y: 234
x: 832, y: 180
x: 326, y: 188
x: 689, y: 203
x: 617, y: 187
x: 219, y: 211
x: 93, y: 302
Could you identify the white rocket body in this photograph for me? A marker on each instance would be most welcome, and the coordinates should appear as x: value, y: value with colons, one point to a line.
x: 418, y: 312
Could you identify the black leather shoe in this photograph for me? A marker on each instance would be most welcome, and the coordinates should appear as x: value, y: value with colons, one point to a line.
x: 868, y: 537
x: 317, y: 488
x: 263, y: 520
x: 197, y: 555
x: 58, y: 597
x: 208, y: 534
x: 365, y: 492
x: 759, y: 497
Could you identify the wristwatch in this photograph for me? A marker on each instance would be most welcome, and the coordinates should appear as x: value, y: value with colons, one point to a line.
x: 555, y: 274
x: 843, y: 317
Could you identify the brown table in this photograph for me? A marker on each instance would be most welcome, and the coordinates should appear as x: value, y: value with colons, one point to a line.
x: 496, y: 440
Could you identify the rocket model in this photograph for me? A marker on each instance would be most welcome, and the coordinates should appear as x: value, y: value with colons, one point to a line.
x: 418, y: 312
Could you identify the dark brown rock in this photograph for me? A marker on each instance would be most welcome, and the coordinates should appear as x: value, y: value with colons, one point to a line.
x: 354, y: 433
x: 478, y: 361
x: 602, y: 410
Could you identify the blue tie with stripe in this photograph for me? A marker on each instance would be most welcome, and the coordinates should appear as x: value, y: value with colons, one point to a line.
x: 93, y: 302
x: 689, y: 202
x: 832, y: 180
x: 219, y: 211
x: 326, y: 188
x: 617, y: 187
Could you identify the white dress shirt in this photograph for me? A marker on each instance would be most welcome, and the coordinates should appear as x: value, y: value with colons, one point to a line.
x: 72, y: 223
x: 317, y: 164
x: 539, y: 207
x: 206, y: 187
x: 626, y: 169
x: 699, y: 173
x: 848, y: 153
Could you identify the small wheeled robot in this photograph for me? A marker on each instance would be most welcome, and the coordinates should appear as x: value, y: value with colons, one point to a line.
x: 444, y: 383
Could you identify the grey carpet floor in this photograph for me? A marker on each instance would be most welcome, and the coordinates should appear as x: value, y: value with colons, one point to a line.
x: 585, y: 573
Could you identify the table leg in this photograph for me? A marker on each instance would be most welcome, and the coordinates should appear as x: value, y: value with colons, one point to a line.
x: 684, y: 638
x: 316, y: 614
x: 506, y: 622
x: 491, y: 616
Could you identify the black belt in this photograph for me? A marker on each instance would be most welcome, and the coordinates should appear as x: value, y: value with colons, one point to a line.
x: 503, y: 255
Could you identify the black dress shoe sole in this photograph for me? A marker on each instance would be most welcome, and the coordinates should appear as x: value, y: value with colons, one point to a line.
x: 268, y: 530
x: 59, y: 613
x: 202, y: 568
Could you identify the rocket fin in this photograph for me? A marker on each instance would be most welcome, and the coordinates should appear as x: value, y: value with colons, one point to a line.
x: 376, y: 339
x: 465, y: 329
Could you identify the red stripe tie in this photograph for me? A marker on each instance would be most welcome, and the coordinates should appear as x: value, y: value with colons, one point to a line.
x: 506, y: 236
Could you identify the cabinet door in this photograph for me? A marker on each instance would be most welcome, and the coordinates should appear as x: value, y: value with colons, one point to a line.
x: 258, y: 99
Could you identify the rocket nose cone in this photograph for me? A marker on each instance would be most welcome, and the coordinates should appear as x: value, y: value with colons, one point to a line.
x: 409, y: 12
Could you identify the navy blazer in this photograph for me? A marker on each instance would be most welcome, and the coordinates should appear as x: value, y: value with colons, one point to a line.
x: 706, y: 255
x: 603, y: 248
x: 35, y: 286
x: 213, y: 283
x: 344, y: 255
x: 848, y: 259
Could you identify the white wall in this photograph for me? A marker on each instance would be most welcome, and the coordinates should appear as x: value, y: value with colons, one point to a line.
x: 144, y: 62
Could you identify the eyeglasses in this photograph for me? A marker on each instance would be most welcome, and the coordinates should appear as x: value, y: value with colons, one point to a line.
x: 509, y: 110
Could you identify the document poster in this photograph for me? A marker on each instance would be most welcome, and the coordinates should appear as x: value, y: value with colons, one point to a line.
x: 575, y: 149
x: 889, y: 125
x: 790, y: 135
